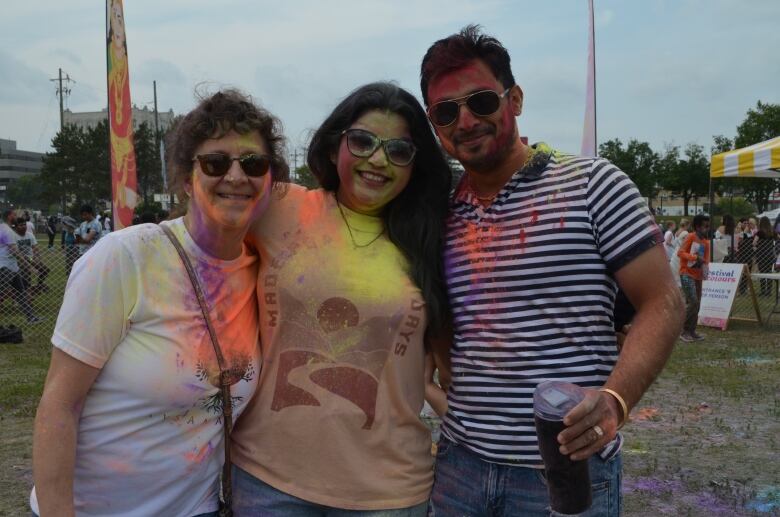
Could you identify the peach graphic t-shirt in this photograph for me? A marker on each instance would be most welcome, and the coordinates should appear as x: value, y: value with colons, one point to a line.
x: 336, y: 417
x: 150, y: 439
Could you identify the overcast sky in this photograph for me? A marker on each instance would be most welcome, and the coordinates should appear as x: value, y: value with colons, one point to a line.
x: 667, y: 70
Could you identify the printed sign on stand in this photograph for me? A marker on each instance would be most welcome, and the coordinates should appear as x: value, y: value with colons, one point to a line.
x: 718, y: 293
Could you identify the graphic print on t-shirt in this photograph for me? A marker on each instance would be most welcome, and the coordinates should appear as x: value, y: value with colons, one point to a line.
x: 241, y: 369
x: 331, y: 352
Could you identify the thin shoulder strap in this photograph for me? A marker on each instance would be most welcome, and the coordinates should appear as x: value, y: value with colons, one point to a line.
x: 224, y: 374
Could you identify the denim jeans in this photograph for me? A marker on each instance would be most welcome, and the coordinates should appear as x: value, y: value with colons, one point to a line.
x: 464, y: 484
x: 253, y: 497
x: 691, y: 289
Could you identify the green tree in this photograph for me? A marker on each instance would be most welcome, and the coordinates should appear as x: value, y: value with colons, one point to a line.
x: 688, y: 176
x: 27, y: 191
x: 638, y: 161
x: 62, y: 169
x: 736, y: 206
x: 96, y: 164
x: 761, y: 123
x: 147, y: 159
x: 303, y: 176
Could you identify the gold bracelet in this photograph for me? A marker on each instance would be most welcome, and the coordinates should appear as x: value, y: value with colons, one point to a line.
x: 622, y: 403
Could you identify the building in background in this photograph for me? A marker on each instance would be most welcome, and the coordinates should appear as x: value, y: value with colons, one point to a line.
x: 89, y: 119
x: 14, y: 164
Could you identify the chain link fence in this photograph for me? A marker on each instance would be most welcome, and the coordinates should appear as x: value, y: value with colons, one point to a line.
x: 757, y: 298
x: 30, y: 299
x: 31, y: 302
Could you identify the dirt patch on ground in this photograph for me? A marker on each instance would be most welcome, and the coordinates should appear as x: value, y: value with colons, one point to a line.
x: 704, y: 440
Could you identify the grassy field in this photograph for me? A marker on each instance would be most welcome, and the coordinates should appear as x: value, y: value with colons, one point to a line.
x: 704, y: 441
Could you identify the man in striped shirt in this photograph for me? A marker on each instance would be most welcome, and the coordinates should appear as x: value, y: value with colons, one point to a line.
x: 537, y: 244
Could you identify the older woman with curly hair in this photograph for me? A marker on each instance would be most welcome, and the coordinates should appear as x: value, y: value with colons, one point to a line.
x: 130, y: 418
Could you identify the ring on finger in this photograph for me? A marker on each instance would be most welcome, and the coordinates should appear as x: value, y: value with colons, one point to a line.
x: 599, y: 432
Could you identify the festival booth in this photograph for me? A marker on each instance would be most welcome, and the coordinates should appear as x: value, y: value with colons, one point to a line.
x: 729, y: 281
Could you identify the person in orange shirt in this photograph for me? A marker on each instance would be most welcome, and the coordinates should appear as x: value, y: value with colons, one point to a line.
x: 694, y: 256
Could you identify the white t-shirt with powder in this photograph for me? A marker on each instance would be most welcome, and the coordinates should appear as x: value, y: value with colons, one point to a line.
x: 150, y: 437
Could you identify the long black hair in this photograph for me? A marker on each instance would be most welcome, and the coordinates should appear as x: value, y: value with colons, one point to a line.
x: 415, y: 218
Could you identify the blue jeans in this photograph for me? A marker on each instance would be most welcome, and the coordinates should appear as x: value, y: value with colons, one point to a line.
x: 464, y: 484
x: 253, y: 497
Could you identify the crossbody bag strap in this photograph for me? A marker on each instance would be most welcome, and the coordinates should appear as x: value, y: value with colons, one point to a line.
x: 224, y: 377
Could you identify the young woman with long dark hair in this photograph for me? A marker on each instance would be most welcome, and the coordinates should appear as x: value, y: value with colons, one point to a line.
x: 350, y: 287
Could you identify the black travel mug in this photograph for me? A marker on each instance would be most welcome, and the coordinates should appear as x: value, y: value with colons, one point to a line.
x: 568, y: 482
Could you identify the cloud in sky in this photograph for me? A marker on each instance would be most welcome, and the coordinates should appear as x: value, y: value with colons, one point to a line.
x: 667, y: 71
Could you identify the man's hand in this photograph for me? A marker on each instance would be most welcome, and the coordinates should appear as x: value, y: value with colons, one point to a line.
x: 580, y: 440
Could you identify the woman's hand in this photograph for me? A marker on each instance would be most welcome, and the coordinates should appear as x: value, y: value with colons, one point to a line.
x: 434, y: 394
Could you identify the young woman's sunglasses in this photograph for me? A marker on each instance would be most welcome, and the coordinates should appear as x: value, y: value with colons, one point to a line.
x: 362, y: 143
x: 218, y: 164
x: 481, y: 103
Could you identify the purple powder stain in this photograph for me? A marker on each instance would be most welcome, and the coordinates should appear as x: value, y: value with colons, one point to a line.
x: 195, y: 388
x: 651, y: 485
x: 301, y: 278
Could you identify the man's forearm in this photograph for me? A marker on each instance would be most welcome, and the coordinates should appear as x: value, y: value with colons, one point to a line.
x: 647, y: 347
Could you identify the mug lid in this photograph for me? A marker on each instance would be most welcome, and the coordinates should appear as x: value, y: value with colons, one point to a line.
x: 553, y: 399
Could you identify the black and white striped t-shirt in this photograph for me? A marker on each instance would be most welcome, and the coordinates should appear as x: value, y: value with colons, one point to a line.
x: 532, y: 292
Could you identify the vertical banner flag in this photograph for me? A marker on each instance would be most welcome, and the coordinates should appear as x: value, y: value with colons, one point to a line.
x: 589, y: 128
x: 120, y: 124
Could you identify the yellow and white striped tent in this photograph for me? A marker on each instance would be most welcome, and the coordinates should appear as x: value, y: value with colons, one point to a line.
x: 760, y: 160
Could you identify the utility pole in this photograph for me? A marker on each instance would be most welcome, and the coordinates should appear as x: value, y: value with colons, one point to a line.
x: 295, y: 165
x: 159, y: 148
x: 61, y: 93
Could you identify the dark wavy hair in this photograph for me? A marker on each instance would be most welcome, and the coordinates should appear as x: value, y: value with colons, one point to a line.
x: 415, y: 218
x: 456, y: 51
x: 214, y: 117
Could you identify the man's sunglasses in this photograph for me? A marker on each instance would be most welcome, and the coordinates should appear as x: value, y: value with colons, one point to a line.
x: 482, y: 103
x: 218, y: 164
x: 362, y: 143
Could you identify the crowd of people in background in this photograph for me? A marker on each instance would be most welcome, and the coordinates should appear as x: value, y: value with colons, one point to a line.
x: 755, y: 243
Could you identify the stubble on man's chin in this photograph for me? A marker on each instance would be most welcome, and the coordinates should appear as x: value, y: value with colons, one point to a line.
x: 487, y: 163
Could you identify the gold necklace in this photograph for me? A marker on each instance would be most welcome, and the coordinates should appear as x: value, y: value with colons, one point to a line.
x: 473, y: 191
x: 349, y: 229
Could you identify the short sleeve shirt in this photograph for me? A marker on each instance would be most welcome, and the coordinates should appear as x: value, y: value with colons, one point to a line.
x: 336, y: 418
x: 7, y: 239
x: 531, y: 284
x: 150, y: 437
x: 26, y: 243
x: 84, y: 229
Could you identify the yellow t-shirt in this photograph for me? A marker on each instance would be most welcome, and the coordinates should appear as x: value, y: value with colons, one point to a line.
x: 336, y: 417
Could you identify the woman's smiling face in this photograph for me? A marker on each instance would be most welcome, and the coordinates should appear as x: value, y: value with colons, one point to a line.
x: 232, y: 200
x: 368, y: 184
